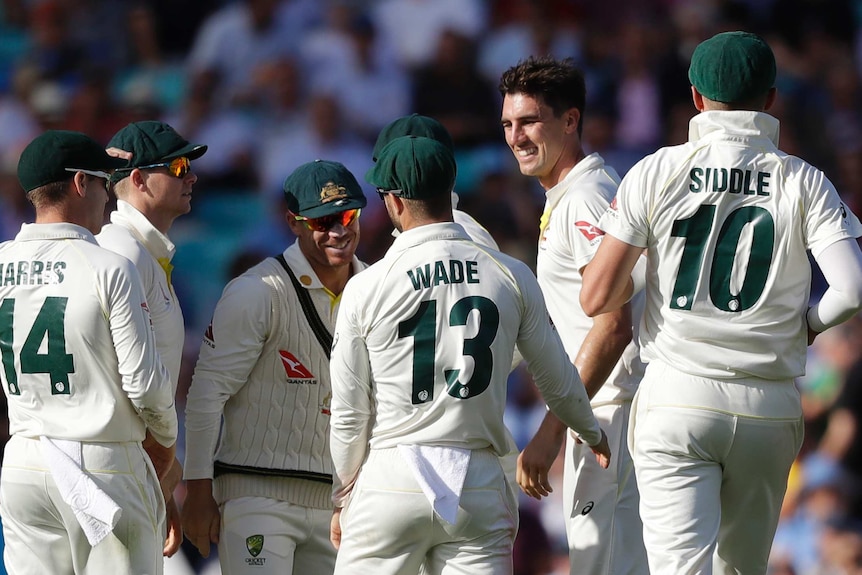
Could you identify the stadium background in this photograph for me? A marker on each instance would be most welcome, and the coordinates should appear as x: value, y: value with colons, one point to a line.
x: 319, y: 78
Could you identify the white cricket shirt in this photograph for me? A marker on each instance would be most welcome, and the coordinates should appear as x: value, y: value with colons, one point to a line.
x: 569, y: 238
x: 423, y: 347
x: 79, y: 360
x: 727, y: 219
x: 131, y: 234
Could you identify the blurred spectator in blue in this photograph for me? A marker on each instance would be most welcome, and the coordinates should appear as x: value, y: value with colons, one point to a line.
x: 823, y: 499
x: 228, y: 164
x: 348, y: 59
x: 530, y: 29
x: 53, y: 51
x: 151, y: 74
x: 321, y: 134
x: 240, y: 37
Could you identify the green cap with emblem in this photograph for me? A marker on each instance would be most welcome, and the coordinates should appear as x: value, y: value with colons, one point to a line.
x: 321, y: 188
x: 55, y: 156
x: 412, y: 125
x: 732, y: 67
x: 151, y: 142
x: 415, y: 168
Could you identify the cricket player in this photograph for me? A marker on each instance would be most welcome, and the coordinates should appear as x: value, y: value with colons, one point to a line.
x: 542, y: 118
x: 726, y: 220
x: 265, y: 493
x: 153, y: 189
x: 420, y: 358
x: 84, y: 382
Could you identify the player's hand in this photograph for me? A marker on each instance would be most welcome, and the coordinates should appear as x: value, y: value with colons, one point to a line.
x: 119, y: 153
x: 335, y: 528
x: 536, y: 460
x: 200, y: 516
x: 175, y: 529
x: 162, y: 457
x: 602, y: 451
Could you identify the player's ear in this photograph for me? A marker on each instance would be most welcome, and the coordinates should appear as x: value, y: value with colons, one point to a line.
x: 697, y: 98
x: 79, y: 181
x: 573, y: 117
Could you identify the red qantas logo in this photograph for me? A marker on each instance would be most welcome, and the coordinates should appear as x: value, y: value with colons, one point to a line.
x: 293, y: 367
x: 613, y: 205
x: 590, y: 231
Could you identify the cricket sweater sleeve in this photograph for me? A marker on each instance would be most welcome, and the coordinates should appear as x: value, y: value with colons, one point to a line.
x: 352, y: 404
x: 230, y: 349
x: 144, y: 378
x: 555, y: 376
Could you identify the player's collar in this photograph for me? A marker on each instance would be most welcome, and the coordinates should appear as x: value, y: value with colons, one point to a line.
x: 58, y: 231
x: 429, y: 232
x: 741, y: 123
x: 157, y: 243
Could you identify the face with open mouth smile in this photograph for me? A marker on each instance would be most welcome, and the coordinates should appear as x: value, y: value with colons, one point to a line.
x: 333, y: 247
x: 537, y: 138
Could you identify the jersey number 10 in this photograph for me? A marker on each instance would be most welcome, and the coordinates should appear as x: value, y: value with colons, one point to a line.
x: 50, y: 323
x: 696, y: 231
x: 422, y: 327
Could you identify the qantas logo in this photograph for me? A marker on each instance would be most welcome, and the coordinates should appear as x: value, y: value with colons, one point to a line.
x: 590, y: 231
x: 613, y: 205
x: 293, y: 367
x: 209, y: 338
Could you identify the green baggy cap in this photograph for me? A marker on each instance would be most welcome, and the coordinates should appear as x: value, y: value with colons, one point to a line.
x: 414, y: 168
x: 56, y: 155
x: 153, y: 142
x: 321, y: 188
x: 412, y: 125
x: 732, y: 67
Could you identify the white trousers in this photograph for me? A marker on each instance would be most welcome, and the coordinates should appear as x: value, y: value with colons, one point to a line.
x: 389, y: 528
x: 263, y: 536
x: 603, y: 524
x: 712, y: 460
x: 41, y: 532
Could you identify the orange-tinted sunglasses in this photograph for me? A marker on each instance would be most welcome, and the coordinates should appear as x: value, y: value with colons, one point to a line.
x: 178, y: 167
x: 325, y: 223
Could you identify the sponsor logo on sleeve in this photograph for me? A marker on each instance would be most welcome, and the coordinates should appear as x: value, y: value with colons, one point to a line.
x: 590, y: 231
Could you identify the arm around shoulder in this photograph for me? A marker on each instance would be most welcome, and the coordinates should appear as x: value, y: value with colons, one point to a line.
x: 607, y: 281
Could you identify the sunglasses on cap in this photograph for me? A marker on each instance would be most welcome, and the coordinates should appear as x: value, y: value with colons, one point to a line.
x: 381, y: 192
x: 94, y: 173
x: 325, y: 223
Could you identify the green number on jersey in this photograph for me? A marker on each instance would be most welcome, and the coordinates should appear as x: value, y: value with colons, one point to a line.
x: 696, y: 231
x: 422, y: 326
x: 49, y: 323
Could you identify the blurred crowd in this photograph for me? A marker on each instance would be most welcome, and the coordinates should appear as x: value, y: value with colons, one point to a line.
x: 271, y: 84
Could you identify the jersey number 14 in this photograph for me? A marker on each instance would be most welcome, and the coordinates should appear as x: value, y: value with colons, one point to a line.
x: 50, y: 324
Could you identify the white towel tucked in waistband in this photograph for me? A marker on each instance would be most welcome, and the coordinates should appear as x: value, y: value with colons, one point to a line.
x: 97, y: 513
x: 440, y: 472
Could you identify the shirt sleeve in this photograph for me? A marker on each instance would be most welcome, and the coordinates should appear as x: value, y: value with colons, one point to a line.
x: 352, y: 403
x: 827, y: 218
x: 144, y: 378
x: 229, y: 351
x: 555, y: 376
x: 626, y: 217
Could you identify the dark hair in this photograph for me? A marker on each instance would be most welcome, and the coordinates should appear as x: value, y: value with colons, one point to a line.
x: 559, y: 83
x: 49, y: 194
x: 437, y: 207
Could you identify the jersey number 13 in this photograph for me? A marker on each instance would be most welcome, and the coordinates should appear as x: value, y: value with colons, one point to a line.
x: 422, y: 327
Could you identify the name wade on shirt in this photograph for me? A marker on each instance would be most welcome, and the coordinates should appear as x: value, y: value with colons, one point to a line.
x: 729, y: 180
x: 451, y: 272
